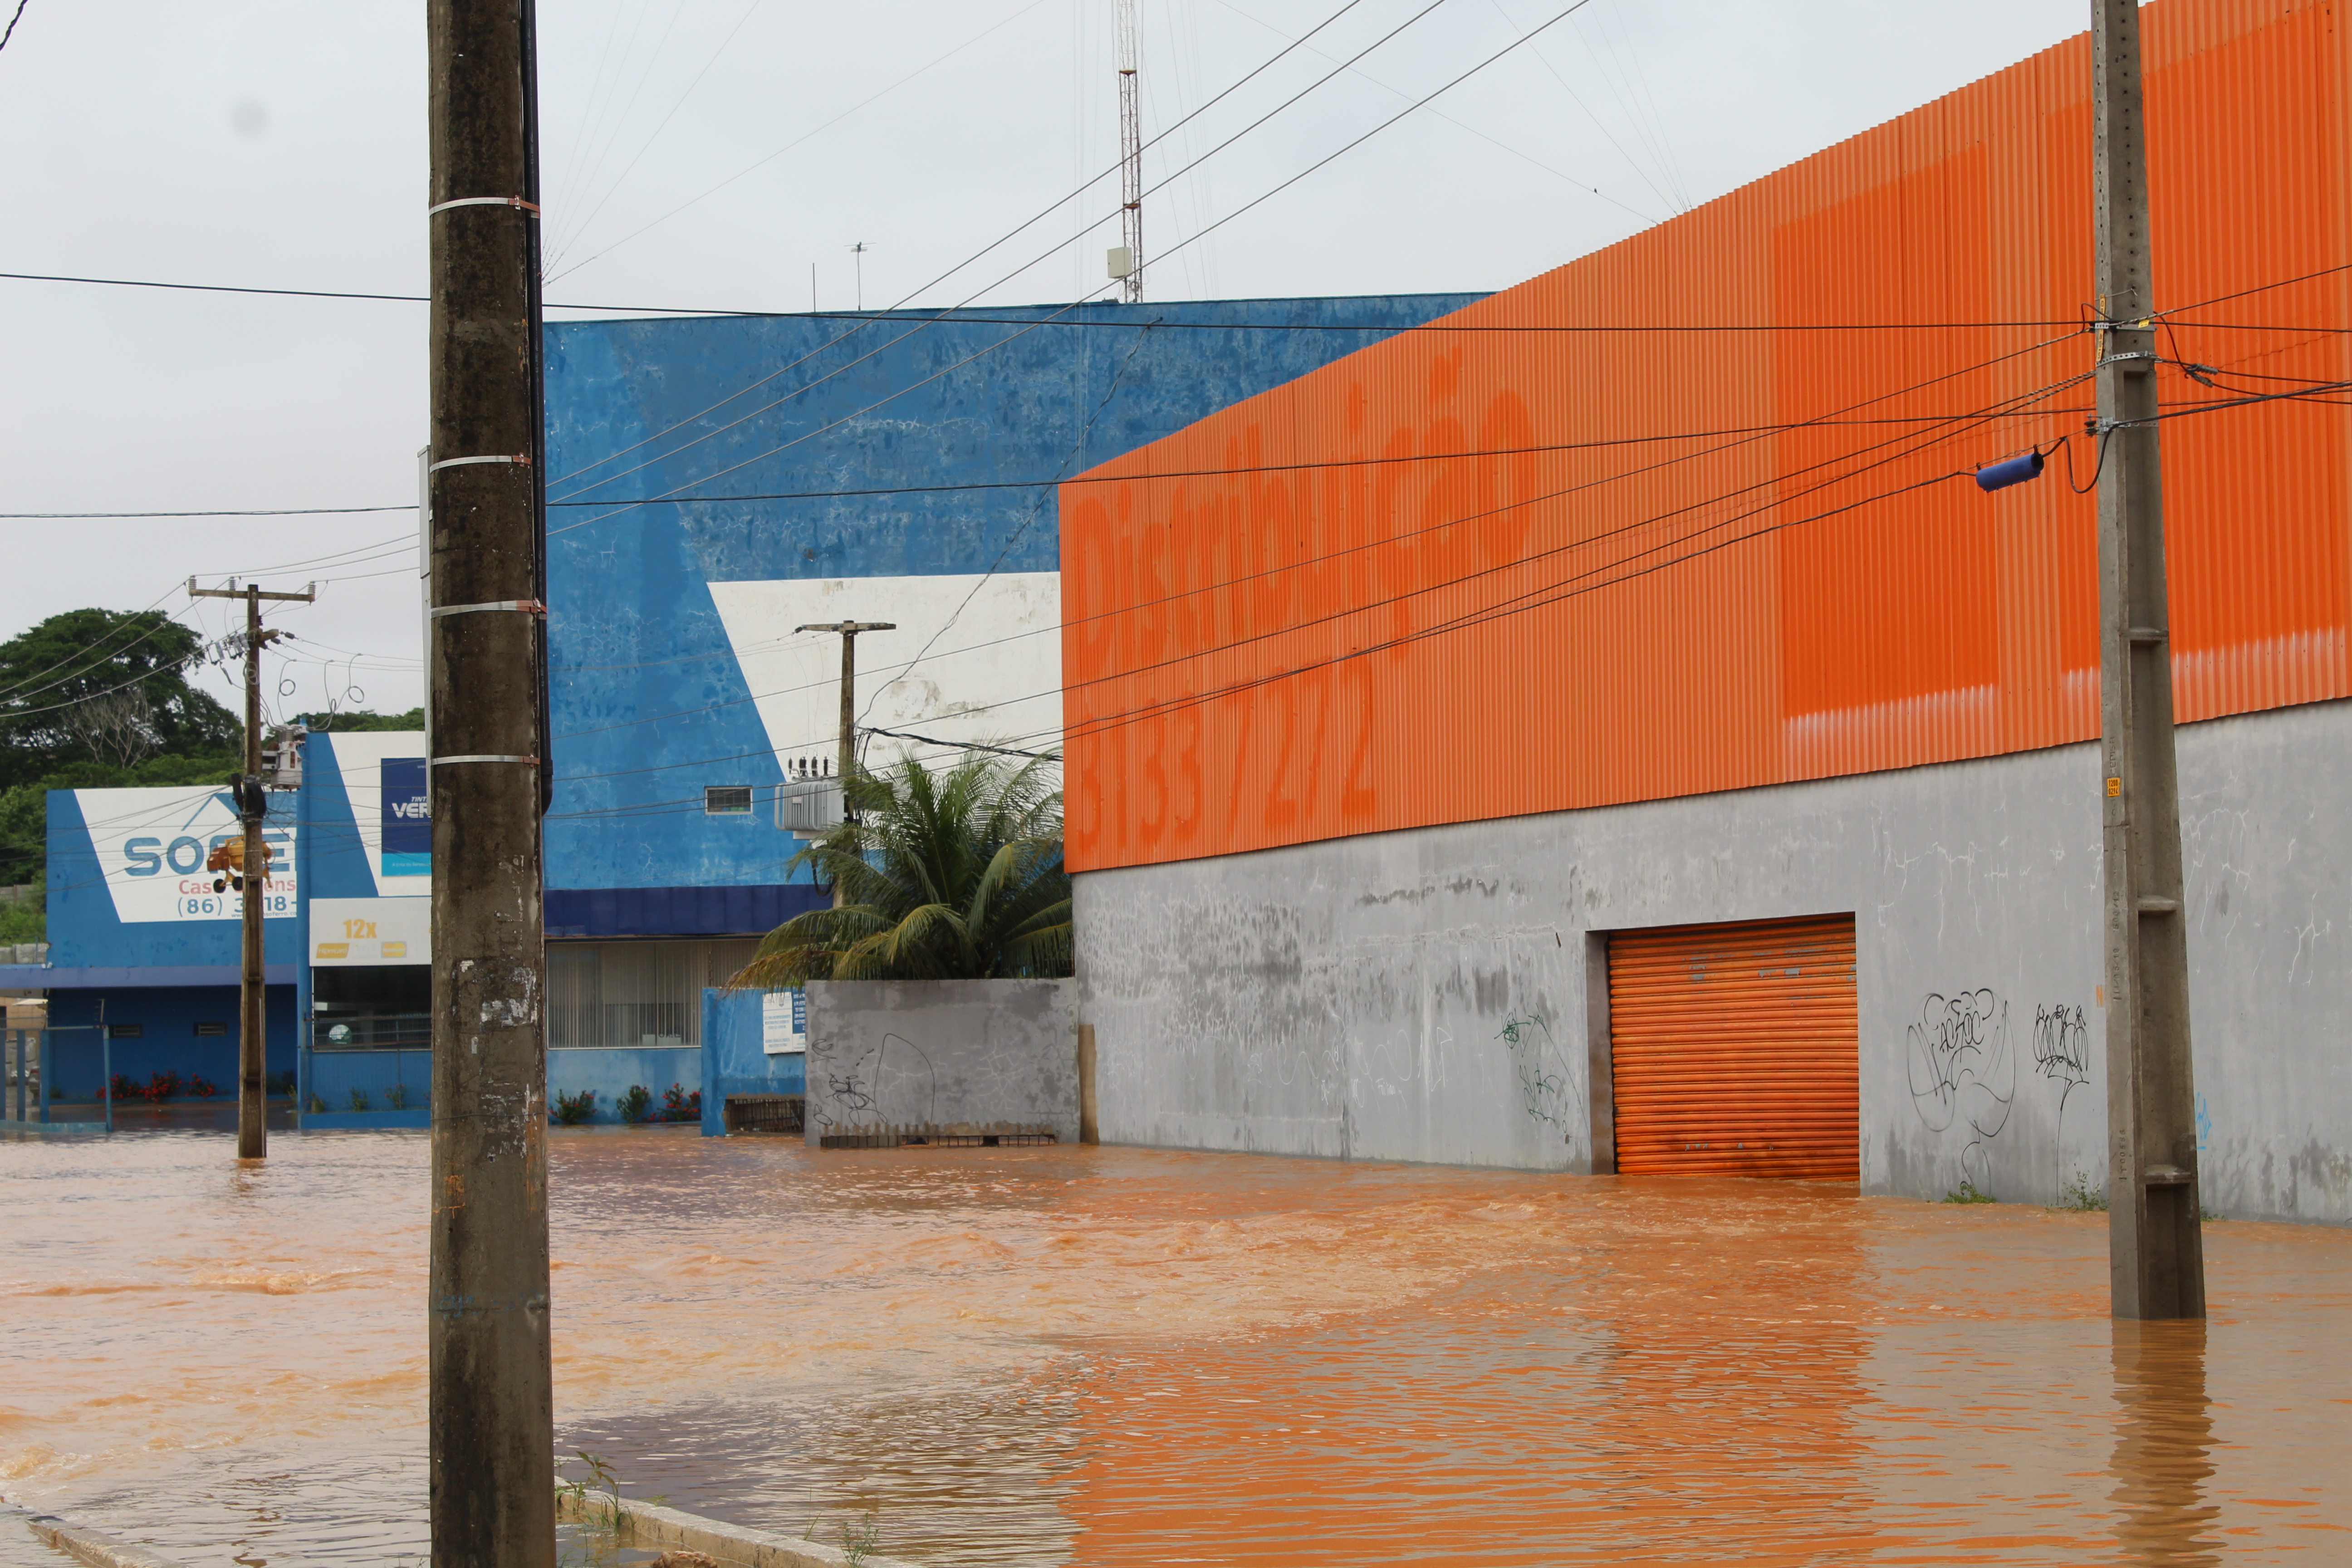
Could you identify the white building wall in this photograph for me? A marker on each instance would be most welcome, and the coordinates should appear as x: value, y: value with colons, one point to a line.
x: 1430, y: 995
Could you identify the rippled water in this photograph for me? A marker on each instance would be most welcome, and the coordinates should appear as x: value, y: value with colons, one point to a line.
x: 1125, y: 1356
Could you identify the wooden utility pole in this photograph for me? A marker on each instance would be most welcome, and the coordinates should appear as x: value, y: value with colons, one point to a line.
x: 253, y: 871
x: 491, y: 1413
x: 848, y: 631
x: 2155, y: 1241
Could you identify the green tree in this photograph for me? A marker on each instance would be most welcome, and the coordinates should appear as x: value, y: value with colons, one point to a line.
x: 105, y: 688
x: 350, y: 719
x: 953, y: 875
x: 100, y: 699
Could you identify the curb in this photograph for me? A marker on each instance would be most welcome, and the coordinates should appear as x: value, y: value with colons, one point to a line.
x: 88, y: 1546
x: 650, y: 1524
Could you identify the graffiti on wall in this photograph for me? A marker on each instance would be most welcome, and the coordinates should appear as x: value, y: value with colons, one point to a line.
x: 892, y: 1084
x: 1961, y: 1071
x: 2061, y: 1055
x: 1542, y: 1075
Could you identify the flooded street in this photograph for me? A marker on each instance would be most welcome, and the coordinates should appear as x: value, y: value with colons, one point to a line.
x: 1066, y: 1355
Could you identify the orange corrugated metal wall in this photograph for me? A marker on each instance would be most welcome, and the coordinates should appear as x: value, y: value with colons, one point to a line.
x: 1737, y: 557
x: 1735, y: 1050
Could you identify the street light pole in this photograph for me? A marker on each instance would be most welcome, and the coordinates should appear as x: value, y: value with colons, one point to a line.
x: 2155, y: 1239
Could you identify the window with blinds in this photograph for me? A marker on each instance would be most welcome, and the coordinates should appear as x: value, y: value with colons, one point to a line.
x: 635, y: 993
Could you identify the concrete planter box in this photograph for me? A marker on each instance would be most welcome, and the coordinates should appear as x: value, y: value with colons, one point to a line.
x: 892, y: 1062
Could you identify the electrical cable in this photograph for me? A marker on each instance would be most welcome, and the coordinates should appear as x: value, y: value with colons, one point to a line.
x: 1506, y: 605
x: 1077, y: 449
x: 1188, y: 240
x: 1087, y: 478
x: 903, y: 313
x: 1041, y: 214
x: 931, y: 320
x: 1228, y: 217
x: 805, y: 136
x: 1351, y: 550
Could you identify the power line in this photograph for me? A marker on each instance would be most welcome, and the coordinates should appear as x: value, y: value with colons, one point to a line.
x: 956, y: 317
x: 1041, y: 214
x: 242, y: 511
x: 1448, y: 522
x: 788, y: 146
x: 1188, y: 240
x: 1047, y: 254
x: 2007, y: 406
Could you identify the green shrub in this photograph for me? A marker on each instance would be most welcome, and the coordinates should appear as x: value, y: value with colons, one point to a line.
x: 572, y: 1110
x: 2084, y: 1197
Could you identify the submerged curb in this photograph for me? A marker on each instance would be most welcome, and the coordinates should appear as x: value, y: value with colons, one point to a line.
x: 88, y: 1546
x: 650, y: 1524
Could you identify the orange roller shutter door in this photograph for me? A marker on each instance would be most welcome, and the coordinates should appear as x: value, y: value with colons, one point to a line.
x: 1735, y: 1049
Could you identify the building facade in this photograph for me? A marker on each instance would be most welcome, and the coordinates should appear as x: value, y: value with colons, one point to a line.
x: 1605, y: 729
x: 717, y: 483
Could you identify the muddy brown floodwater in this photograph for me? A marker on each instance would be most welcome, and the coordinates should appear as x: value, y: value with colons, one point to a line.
x: 1125, y: 1356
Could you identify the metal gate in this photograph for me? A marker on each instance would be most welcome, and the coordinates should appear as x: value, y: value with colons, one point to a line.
x: 1734, y: 1049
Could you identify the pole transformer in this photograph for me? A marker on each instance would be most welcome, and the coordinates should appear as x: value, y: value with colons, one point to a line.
x: 2155, y: 1239
x: 491, y: 1424
x: 848, y: 631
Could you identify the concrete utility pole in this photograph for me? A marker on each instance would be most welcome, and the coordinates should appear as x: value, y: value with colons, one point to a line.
x: 2156, y: 1255
x: 848, y: 631
x: 253, y: 859
x: 492, y: 1471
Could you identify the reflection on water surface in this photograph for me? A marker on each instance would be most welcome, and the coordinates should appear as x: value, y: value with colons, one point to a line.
x: 1126, y: 1356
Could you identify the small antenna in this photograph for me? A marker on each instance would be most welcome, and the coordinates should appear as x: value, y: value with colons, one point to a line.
x: 1129, y: 265
x: 858, y: 256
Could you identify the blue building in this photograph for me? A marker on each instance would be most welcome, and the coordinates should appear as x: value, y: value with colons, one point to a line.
x: 145, y: 949
x: 714, y: 484
x: 717, y: 482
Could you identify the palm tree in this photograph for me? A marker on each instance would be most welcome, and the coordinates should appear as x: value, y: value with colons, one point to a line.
x: 954, y: 875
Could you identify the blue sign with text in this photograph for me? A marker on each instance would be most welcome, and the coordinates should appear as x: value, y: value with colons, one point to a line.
x: 407, y: 818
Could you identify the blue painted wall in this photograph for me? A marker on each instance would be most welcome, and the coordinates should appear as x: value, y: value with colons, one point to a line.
x: 608, y: 1073
x: 334, y: 1075
x: 1000, y: 398
x: 733, y: 1061
x: 166, y: 1017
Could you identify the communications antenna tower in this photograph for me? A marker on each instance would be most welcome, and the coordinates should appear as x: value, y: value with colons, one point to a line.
x: 1130, y: 157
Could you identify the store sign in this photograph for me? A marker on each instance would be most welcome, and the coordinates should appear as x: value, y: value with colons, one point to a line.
x: 370, y: 933
x: 407, y: 818
x: 152, y: 844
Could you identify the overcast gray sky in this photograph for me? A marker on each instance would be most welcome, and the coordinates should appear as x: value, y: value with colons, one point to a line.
x: 708, y: 153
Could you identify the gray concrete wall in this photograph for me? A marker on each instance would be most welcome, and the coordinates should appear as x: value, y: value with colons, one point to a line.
x: 942, y: 1056
x: 1435, y: 995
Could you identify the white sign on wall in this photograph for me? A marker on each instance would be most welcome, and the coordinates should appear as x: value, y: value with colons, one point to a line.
x: 784, y: 1022
x: 152, y: 844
